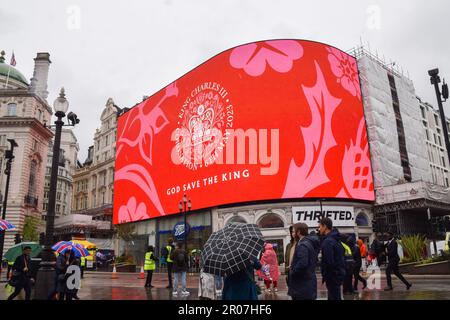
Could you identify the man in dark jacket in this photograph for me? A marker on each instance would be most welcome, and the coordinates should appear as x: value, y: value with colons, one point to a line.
x: 378, y: 249
x: 393, y: 260
x: 22, y: 274
x: 333, y: 264
x: 302, y: 272
x: 356, y: 251
x: 180, y: 266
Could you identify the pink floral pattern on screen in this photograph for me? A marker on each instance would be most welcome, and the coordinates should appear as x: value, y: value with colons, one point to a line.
x: 344, y: 68
x: 318, y: 139
x: 356, y: 168
x: 132, y: 212
x: 253, y: 57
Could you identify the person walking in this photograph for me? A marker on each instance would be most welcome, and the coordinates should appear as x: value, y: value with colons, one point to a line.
x: 302, y: 283
x: 180, y: 266
x: 357, y: 257
x: 166, y: 254
x: 21, y: 278
x: 289, y: 253
x: 332, y: 264
x: 149, y: 265
x: 270, y: 271
x: 218, y: 281
x: 363, y: 252
x: 392, y: 265
x: 241, y: 285
x: 62, y: 263
x: 347, y: 285
x: 377, y: 251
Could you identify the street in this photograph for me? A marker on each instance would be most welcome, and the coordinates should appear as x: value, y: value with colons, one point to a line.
x: 100, y: 286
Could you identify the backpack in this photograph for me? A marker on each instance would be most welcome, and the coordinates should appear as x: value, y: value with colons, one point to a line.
x: 180, y: 259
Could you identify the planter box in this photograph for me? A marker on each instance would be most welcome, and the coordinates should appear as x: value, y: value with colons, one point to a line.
x: 439, y: 268
x: 126, y: 268
x: 407, y: 267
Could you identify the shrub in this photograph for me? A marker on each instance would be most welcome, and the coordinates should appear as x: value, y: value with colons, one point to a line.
x: 413, y: 246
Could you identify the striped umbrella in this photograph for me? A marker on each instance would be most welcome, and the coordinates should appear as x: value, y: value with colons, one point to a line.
x: 5, y: 225
x: 77, y: 248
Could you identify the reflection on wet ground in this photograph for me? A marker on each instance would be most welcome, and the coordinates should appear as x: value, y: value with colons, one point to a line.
x: 100, y: 286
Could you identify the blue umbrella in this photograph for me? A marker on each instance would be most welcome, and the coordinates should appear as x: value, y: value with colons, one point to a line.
x: 79, y: 251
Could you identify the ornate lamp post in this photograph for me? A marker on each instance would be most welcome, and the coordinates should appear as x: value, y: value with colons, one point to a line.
x: 45, y: 279
x: 182, y: 206
x: 9, y: 155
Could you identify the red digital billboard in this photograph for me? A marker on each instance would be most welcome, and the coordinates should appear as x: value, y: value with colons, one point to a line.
x: 277, y: 119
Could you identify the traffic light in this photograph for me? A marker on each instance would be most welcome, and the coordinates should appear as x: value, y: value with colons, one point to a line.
x: 17, y: 239
x: 375, y: 225
x: 42, y: 238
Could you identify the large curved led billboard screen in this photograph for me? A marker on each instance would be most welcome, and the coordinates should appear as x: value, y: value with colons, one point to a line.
x: 267, y: 120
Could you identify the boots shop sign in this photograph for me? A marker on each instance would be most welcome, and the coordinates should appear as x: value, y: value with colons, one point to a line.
x: 342, y: 216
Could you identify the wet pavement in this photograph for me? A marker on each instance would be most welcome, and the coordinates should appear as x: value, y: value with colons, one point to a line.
x: 100, y: 286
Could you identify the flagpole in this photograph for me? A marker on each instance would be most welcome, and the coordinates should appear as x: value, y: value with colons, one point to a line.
x: 7, y: 77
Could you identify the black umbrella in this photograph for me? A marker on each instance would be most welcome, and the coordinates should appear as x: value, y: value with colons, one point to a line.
x: 231, y: 249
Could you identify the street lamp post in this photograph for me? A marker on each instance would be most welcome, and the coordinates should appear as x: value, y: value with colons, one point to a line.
x: 9, y: 155
x: 435, y: 80
x: 182, y: 206
x: 46, y: 274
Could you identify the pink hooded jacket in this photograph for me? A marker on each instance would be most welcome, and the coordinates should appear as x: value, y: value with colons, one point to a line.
x: 269, y: 257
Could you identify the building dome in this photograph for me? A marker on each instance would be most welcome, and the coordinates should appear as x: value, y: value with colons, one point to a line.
x: 13, y: 72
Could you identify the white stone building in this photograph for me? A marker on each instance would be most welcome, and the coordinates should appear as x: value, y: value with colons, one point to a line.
x: 93, y: 181
x: 23, y: 112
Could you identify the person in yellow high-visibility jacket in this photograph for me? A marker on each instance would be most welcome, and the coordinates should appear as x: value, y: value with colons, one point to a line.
x: 82, y: 265
x: 165, y: 252
x: 150, y: 265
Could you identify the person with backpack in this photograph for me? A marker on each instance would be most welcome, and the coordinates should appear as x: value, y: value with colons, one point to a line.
x: 166, y: 254
x: 180, y: 266
x: 332, y: 262
x: 349, y: 264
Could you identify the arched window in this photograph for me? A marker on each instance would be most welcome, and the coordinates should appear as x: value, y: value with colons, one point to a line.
x: 236, y: 219
x: 32, y: 180
x: 361, y: 220
x: 12, y: 110
x: 270, y: 220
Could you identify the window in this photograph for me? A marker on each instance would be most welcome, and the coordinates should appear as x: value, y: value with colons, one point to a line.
x: 12, y: 110
x: 32, y: 179
x: 63, y: 209
x: 422, y: 109
x: 270, y: 220
x: 103, y: 197
x: 3, y: 140
x: 428, y: 134
x: 58, y: 208
x: 436, y: 120
x: 39, y: 114
x: 361, y: 220
x: 424, y: 123
x: 58, y: 196
x: 236, y: 219
x: 106, y: 140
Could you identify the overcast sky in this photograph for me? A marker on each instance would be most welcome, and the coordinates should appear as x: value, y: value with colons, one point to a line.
x: 128, y: 49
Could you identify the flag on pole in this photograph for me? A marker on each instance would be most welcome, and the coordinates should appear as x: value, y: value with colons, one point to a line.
x: 13, y: 60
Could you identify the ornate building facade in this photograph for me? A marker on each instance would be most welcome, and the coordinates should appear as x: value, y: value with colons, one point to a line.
x: 24, y: 111
x: 93, y: 180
